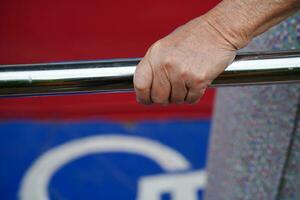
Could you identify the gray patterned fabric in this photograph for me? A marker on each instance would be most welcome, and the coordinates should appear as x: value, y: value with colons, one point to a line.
x: 255, y: 141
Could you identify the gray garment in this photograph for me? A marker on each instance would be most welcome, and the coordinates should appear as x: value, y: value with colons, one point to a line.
x: 255, y: 141
x: 252, y: 134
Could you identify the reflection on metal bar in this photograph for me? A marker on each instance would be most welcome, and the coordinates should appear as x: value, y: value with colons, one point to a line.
x: 117, y: 75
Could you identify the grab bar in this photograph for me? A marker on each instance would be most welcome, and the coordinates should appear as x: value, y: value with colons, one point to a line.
x: 116, y: 75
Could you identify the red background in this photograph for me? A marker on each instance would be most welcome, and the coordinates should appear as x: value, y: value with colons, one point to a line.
x: 60, y: 30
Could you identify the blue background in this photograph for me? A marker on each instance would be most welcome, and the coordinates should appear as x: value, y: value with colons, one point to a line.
x: 96, y: 176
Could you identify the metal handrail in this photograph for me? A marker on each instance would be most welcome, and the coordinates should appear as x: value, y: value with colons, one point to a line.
x: 116, y: 75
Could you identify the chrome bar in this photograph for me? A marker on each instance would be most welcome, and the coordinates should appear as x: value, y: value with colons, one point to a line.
x: 116, y: 75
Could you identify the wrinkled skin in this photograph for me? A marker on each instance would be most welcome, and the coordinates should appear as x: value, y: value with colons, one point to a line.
x: 179, y: 67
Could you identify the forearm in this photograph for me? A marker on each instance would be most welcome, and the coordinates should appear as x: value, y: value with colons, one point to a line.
x: 241, y: 20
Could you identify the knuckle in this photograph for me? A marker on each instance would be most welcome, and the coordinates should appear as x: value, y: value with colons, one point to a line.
x: 167, y: 61
x: 170, y: 64
x: 200, y: 78
x: 184, y: 74
x: 139, y: 86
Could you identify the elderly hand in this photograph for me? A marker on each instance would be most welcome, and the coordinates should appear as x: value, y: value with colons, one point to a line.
x: 179, y: 67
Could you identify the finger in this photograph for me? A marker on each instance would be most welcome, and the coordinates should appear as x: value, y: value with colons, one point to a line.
x: 194, y: 95
x: 142, y: 80
x: 196, y: 85
x: 161, y: 87
x: 178, y: 88
x: 178, y: 92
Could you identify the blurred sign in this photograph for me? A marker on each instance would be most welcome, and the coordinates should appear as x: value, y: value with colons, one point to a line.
x: 102, y: 160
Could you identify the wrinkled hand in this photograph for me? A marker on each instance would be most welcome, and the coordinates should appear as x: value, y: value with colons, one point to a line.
x: 179, y: 67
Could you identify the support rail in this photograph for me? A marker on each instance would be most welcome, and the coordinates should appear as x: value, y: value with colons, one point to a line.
x: 116, y: 75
